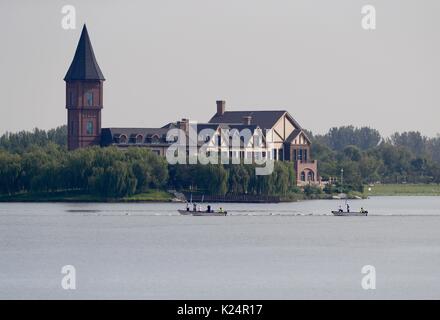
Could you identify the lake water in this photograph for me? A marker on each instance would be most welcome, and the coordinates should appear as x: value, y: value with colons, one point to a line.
x: 261, y: 251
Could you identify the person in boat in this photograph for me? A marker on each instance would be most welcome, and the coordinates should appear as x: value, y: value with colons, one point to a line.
x: 348, y: 208
x: 362, y: 210
x: 208, y: 208
x: 221, y: 209
x: 340, y: 209
x: 194, y: 207
x: 187, y: 206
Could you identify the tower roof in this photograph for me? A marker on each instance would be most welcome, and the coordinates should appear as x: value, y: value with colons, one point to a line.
x: 84, y: 65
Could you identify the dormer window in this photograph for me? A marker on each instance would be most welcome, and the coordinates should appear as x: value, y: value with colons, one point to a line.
x: 123, y: 138
x: 155, y: 139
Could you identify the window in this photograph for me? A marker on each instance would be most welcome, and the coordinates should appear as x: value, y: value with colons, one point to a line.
x: 300, y: 155
x: 305, y: 154
x: 294, y: 154
x: 123, y: 139
x: 139, y: 138
x: 155, y: 139
x: 89, y: 128
x: 280, y: 154
x: 311, y: 176
x: 303, y: 176
x: 89, y: 98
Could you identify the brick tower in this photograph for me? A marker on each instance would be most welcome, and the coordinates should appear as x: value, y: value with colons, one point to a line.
x: 84, y: 84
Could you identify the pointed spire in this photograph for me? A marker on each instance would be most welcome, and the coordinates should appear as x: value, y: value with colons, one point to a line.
x: 84, y: 65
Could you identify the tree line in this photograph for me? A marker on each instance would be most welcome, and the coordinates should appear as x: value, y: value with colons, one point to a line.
x: 108, y: 172
x: 366, y: 157
x: 237, y: 179
x: 36, y: 162
x: 39, y: 162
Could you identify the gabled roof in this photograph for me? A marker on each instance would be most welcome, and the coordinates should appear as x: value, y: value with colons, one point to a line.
x: 264, y: 119
x: 84, y: 65
x: 295, y: 133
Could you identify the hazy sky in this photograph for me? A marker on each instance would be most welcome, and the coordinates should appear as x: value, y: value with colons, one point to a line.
x: 168, y: 59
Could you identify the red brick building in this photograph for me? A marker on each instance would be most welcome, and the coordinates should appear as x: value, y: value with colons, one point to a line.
x: 84, y: 96
x: 84, y: 102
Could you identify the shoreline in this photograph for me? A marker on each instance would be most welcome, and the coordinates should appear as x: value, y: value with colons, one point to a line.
x: 161, y: 196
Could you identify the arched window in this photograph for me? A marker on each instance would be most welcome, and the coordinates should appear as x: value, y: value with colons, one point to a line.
x: 155, y: 139
x: 139, y: 138
x: 303, y: 176
x: 311, y: 176
x: 123, y: 138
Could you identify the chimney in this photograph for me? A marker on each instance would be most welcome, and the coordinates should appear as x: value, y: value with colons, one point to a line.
x: 247, y: 120
x: 221, y: 106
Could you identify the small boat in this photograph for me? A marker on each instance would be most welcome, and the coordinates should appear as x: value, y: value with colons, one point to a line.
x: 208, y: 212
x: 350, y: 214
x: 202, y: 213
x: 212, y: 213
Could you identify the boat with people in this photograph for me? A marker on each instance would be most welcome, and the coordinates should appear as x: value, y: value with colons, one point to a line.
x: 203, y: 213
x: 350, y: 214
x: 340, y: 212
x: 197, y: 211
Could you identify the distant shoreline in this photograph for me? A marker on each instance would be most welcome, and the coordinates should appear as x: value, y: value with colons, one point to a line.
x: 161, y: 196
x: 152, y: 196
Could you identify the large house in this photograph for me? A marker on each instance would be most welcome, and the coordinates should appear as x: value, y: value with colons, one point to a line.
x: 84, y: 102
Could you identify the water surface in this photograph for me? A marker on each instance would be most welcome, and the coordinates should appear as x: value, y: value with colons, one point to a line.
x: 260, y: 251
